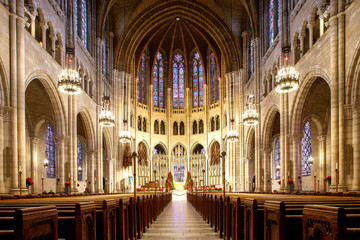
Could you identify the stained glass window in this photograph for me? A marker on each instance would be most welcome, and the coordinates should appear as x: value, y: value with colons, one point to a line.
x: 277, y: 158
x: 79, y: 160
x: 251, y: 55
x: 50, y: 151
x: 158, y: 80
x: 214, y: 76
x: 271, y: 22
x: 84, y: 26
x: 182, y: 174
x: 178, y: 81
x: 141, y: 80
x: 278, y: 16
x: 105, y: 53
x: 306, y: 150
x: 198, y: 81
x: 176, y: 172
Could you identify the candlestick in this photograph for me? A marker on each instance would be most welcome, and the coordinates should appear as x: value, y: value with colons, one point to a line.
x: 20, y: 168
x: 42, y: 175
x: 336, y: 166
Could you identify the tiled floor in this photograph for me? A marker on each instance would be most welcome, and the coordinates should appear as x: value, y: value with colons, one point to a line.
x: 179, y: 221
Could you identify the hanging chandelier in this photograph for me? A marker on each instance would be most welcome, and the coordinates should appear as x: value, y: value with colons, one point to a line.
x: 69, y: 81
x: 287, y: 79
x: 250, y: 117
x: 106, y: 118
x: 125, y: 134
x: 232, y: 134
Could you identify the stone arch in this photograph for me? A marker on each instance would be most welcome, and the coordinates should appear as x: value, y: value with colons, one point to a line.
x: 57, y: 103
x: 215, y: 153
x: 143, y: 152
x: 85, y: 115
x: 268, y: 122
x: 4, y: 88
x: 195, y: 145
x: 144, y: 20
x: 353, y: 78
x: 109, y: 143
x: 302, y: 93
x: 162, y: 145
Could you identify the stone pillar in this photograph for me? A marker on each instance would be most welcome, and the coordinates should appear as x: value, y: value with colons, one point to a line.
x: 60, y: 163
x: 244, y: 36
x: 53, y: 39
x: 341, y: 91
x: 34, y: 161
x: 267, y: 168
x: 44, y: 27
x: 13, y: 99
x: 356, y: 145
x: 91, y: 167
x: 322, y: 161
x: 32, y: 26
x: 296, y: 156
x: 2, y: 182
x: 310, y: 26
x: 334, y: 88
x: 20, y: 30
x: 302, y: 44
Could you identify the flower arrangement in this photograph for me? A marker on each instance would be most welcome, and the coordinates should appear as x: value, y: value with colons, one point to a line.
x: 279, y: 182
x: 149, y: 189
x: 29, y: 182
x: 328, y: 179
x: 78, y: 185
x: 290, y: 181
x: 67, y: 184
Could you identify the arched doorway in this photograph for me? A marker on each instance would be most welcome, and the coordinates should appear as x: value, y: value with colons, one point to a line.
x: 160, y: 163
x: 197, y: 164
x: 179, y: 162
x: 143, y: 164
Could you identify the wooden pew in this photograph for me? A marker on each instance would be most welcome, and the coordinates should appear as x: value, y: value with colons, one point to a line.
x: 29, y: 223
x: 331, y: 223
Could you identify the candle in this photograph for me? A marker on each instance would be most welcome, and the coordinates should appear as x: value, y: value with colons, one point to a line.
x: 336, y: 166
x: 288, y: 173
x: 69, y: 175
x: 42, y: 175
x: 20, y: 168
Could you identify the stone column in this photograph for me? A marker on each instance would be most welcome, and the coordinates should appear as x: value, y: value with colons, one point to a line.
x: 267, y: 168
x: 32, y: 26
x: 53, y: 39
x: 302, y: 44
x: 2, y: 182
x: 310, y: 26
x: 43, y: 27
x: 322, y: 160
x: 356, y: 145
x: 34, y: 161
x: 334, y: 88
x: 296, y: 156
x: 60, y: 163
x: 20, y: 29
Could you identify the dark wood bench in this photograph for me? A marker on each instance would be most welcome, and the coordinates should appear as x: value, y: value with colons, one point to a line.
x: 29, y: 223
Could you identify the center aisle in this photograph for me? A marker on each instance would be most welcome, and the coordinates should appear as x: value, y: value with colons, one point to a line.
x: 180, y: 221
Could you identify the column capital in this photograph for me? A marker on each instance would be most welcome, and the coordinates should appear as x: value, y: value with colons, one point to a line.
x: 91, y: 153
x: 53, y: 36
x: 43, y: 25
x: 59, y: 139
x: 321, y: 138
x: 302, y: 35
x: 244, y: 34
x: 267, y: 150
x: 297, y: 137
x: 35, y: 140
x: 356, y: 108
x: 310, y: 25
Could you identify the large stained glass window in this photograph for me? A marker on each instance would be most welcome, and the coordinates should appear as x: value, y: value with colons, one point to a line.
x: 81, y: 12
x: 214, y: 76
x: 141, y: 80
x: 198, y: 81
x: 306, y: 150
x: 277, y: 158
x: 182, y: 172
x: 50, y: 151
x: 251, y: 56
x: 178, y: 81
x: 79, y: 160
x: 105, y: 57
x: 271, y: 22
x: 176, y: 176
x: 158, y: 79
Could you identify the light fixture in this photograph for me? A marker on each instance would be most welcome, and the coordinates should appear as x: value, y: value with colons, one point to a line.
x: 232, y: 134
x: 106, y: 118
x: 46, y: 163
x: 250, y: 117
x: 287, y: 79
x: 79, y: 170
x: 311, y: 160
x: 69, y: 82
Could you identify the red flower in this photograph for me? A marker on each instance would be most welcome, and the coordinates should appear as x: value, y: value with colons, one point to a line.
x: 29, y: 181
x: 78, y: 185
x: 67, y: 184
x: 290, y: 181
x: 279, y: 182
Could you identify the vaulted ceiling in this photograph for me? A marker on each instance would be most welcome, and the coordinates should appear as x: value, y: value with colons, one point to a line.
x: 177, y: 24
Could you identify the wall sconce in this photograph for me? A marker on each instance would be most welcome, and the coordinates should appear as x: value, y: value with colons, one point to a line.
x: 46, y: 163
